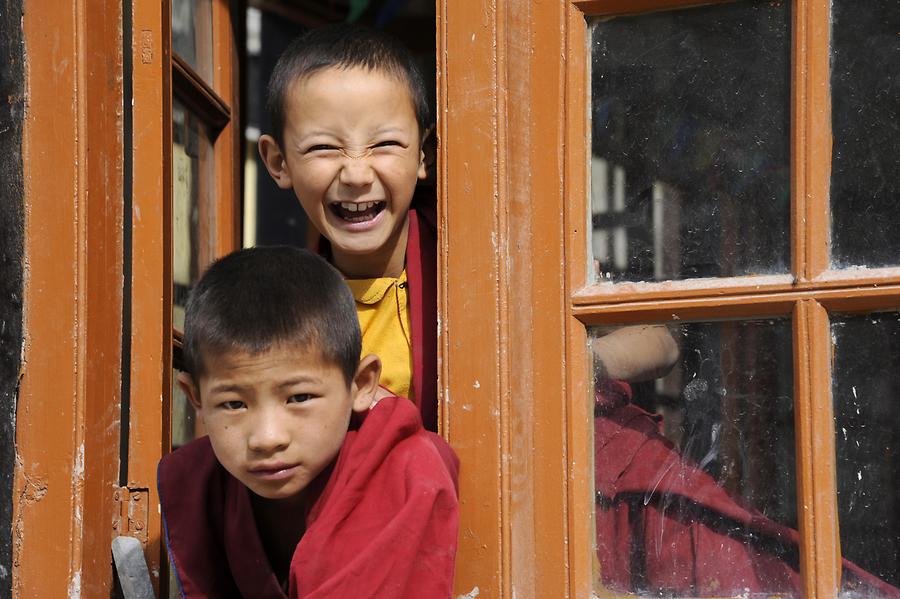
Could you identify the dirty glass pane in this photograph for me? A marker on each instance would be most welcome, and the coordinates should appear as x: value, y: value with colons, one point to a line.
x: 193, y: 188
x: 866, y: 389
x: 192, y: 34
x: 865, y: 99
x: 690, y: 142
x: 694, y: 459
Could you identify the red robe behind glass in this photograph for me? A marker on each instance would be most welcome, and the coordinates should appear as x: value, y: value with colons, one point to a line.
x: 665, y: 526
x: 385, y: 524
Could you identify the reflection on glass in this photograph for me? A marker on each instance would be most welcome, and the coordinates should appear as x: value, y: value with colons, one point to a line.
x: 192, y: 34
x: 867, y: 426
x: 192, y: 204
x: 865, y: 175
x: 690, y: 142
x: 192, y: 227
x: 694, y: 459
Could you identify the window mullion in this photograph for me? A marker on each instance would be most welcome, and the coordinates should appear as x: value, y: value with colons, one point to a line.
x: 816, y: 489
x: 811, y: 147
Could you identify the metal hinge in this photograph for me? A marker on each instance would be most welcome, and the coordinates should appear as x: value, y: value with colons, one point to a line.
x: 130, y: 517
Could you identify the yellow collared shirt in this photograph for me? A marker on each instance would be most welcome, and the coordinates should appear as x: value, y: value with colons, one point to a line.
x: 383, y: 309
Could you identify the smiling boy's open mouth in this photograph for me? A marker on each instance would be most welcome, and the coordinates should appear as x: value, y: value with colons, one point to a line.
x: 357, y: 212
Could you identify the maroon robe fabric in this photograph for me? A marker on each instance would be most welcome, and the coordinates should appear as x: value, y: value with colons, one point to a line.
x: 665, y: 526
x: 421, y: 275
x: 385, y: 523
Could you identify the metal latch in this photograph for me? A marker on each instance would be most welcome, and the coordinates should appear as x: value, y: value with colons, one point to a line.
x: 131, y: 516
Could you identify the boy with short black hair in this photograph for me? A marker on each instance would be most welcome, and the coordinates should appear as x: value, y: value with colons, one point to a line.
x: 314, y: 481
x: 349, y: 114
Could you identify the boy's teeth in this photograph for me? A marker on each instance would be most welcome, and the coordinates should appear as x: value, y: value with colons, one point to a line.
x: 357, y: 207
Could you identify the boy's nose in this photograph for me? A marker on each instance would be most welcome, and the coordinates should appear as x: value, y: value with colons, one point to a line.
x: 356, y: 172
x: 269, y: 433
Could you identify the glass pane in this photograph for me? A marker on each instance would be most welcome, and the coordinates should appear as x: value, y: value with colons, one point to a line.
x: 867, y: 426
x: 192, y: 35
x: 865, y: 175
x: 694, y: 459
x: 690, y: 142
x: 193, y: 214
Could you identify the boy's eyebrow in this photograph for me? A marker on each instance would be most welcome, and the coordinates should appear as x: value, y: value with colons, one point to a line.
x: 315, y: 132
x: 326, y: 133
x: 299, y: 379
x: 226, y: 388
x: 390, y: 130
x: 236, y: 388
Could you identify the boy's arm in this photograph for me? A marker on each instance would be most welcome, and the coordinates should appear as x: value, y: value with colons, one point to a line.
x: 635, y: 353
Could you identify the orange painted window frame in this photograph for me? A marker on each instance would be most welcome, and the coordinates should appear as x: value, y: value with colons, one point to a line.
x: 151, y: 219
x: 515, y: 302
x: 67, y: 411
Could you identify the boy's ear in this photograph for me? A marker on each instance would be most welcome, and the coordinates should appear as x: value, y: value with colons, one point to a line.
x: 364, y: 387
x: 273, y: 158
x: 427, y: 153
x: 186, y: 382
x: 422, y: 172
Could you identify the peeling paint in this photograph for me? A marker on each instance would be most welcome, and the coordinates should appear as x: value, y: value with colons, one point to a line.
x: 470, y: 595
x: 78, y: 468
x: 34, y: 490
x: 75, y: 586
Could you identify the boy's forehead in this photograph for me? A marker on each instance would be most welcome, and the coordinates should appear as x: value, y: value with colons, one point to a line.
x: 298, y: 97
x: 236, y: 361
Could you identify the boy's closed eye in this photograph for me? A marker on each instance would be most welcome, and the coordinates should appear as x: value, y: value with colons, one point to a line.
x: 321, y: 148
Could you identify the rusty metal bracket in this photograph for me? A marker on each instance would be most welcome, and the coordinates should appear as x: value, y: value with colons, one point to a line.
x: 131, y: 515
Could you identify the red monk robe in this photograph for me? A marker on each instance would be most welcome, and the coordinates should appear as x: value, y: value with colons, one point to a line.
x: 384, y: 524
x: 665, y: 526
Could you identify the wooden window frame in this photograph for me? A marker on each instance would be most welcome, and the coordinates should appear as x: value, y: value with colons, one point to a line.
x: 67, y: 419
x: 513, y: 107
x: 157, y: 76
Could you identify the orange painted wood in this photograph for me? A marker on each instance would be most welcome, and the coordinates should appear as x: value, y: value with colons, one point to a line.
x: 103, y: 76
x: 605, y: 293
x: 836, y: 280
x: 231, y: 230
x: 549, y: 298
x: 816, y: 479
x: 812, y: 136
x: 229, y: 155
x: 45, y: 501
x: 68, y: 405
x: 537, y: 299
x: 580, y: 450
x: 632, y: 7
x: 470, y: 296
x: 151, y: 322
x: 742, y: 306
x: 799, y: 142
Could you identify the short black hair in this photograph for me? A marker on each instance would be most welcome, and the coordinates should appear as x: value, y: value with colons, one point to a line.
x: 344, y: 46
x: 254, y: 299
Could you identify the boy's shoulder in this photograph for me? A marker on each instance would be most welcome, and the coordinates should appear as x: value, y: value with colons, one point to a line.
x: 387, y: 523
x: 193, y: 463
x: 392, y: 438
